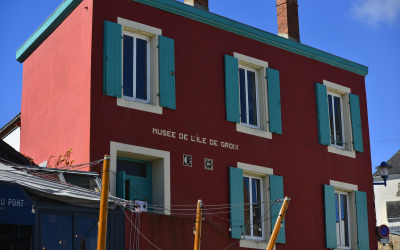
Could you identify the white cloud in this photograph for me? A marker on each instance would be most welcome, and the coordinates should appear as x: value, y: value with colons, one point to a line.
x: 376, y: 12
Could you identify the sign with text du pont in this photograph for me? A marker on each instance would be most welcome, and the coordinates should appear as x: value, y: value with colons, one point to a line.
x: 195, y: 138
x: 15, y: 205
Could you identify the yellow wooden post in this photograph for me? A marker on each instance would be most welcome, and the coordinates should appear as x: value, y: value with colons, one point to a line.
x: 102, y: 224
x: 278, y: 222
x: 197, y: 236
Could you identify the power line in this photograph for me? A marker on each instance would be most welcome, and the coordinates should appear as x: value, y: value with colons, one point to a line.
x: 144, y: 237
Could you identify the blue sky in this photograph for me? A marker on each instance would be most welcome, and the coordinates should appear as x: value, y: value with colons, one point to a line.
x: 363, y: 31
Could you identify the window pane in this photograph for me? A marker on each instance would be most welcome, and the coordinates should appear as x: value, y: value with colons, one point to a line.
x: 256, y: 200
x: 53, y: 235
x: 337, y: 219
x: 85, y: 236
x: 132, y: 168
x: 345, y: 219
x: 338, y: 121
x: 128, y: 66
x: 393, y: 211
x: 81, y: 181
x: 331, y: 121
x: 141, y: 69
x: 251, y: 96
x: 246, y: 200
x: 243, y: 111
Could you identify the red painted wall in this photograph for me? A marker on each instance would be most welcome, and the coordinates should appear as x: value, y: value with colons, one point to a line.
x: 55, y: 110
x: 200, y: 98
x: 63, y: 106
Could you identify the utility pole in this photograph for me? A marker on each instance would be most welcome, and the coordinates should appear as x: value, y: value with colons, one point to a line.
x: 197, y: 235
x: 278, y: 222
x: 102, y: 224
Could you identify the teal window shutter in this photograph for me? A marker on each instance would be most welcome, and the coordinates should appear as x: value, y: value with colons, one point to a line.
x: 121, y: 184
x: 276, y: 192
x: 321, y: 96
x: 356, y: 122
x: 330, y: 217
x: 112, y: 59
x: 362, y: 220
x: 166, y: 61
x: 274, y: 101
x: 232, y: 89
x: 236, y: 201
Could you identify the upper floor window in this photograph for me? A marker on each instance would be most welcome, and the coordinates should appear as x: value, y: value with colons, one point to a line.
x: 339, y: 120
x: 335, y: 106
x: 139, y: 69
x: 252, y: 92
x: 136, y: 67
x: 248, y: 97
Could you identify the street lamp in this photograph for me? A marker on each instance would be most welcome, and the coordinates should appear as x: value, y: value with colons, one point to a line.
x: 384, y: 170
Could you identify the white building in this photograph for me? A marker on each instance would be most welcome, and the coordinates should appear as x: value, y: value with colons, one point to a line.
x: 387, y: 199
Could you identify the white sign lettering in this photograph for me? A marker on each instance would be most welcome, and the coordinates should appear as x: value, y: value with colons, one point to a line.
x: 194, y: 138
x: 9, y: 202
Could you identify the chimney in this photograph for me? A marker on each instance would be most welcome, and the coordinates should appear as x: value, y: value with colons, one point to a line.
x: 288, y: 19
x: 200, y: 4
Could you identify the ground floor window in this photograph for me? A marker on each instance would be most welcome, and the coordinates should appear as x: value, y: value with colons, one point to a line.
x: 342, y: 219
x: 253, y: 200
x: 16, y: 237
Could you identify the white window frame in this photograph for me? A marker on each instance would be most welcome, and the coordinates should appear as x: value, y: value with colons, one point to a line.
x: 349, y: 189
x: 262, y: 173
x: 342, y: 91
x: 341, y: 118
x: 151, y: 33
x: 258, y: 66
x: 246, y: 69
x: 148, y: 59
x: 338, y: 230
x: 252, y: 207
x: 160, y: 163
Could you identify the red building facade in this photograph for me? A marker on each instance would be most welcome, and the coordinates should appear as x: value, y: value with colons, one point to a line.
x: 191, y: 105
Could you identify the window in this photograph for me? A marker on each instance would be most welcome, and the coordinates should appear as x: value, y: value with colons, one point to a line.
x: 393, y: 211
x: 81, y: 180
x: 338, y: 117
x: 335, y: 107
x: 252, y: 216
x: 141, y: 174
x: 346, y: 216
x: 248, y: 97
x: 253, y: 207
x: 342, y: 219
x: 252, y: 94
x: 138, y: 69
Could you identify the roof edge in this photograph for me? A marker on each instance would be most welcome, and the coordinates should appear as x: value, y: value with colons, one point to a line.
x: 10, y: 126
x: 254, y: 33
x: 67, y: 6
x: 46, y: 28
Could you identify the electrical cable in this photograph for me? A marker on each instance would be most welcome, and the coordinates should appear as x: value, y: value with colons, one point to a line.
x: 144, y: 237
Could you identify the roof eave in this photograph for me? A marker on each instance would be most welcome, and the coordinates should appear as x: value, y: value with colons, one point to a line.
x: 178, y: 8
